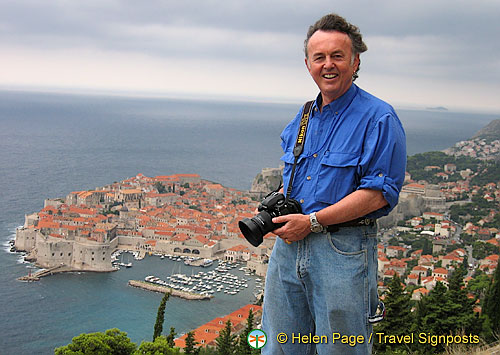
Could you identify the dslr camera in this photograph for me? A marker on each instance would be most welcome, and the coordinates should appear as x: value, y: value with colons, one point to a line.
x: 275, y: 204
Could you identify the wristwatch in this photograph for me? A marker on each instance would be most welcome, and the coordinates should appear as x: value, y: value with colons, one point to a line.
x: 316, y: 227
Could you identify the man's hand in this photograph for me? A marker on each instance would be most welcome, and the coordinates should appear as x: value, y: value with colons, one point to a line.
x: 297, y: 227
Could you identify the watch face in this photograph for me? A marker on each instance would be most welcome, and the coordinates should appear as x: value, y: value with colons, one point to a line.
x: 317, y: 228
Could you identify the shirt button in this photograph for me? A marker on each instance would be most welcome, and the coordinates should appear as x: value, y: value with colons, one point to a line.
x: 315, y: 155
x: 315, y: 109
x: 302, y: 200
x: 381, y: 175
x: 336, y: 113
x: 308, y: 178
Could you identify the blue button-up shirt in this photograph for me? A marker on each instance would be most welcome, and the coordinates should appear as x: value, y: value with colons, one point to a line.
x: 355, y: 142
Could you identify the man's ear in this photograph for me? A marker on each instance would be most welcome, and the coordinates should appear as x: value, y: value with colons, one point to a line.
x: 356, y: 62
x: 306, y: 61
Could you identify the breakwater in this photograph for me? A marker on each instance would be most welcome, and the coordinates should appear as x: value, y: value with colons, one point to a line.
x: 163, y: 289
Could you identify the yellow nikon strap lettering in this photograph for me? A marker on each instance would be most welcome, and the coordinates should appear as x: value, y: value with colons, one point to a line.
x: 299, y: 144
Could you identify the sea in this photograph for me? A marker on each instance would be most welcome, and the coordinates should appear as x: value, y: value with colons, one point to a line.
x: 55, y: 143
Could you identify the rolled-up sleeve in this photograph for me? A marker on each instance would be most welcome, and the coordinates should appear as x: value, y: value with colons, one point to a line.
x: 383, y: 161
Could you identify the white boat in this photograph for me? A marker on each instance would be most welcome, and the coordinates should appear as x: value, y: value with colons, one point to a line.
x: 207, y: 262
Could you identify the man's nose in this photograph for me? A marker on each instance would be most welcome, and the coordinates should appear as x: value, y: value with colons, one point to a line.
x: 329, y: 63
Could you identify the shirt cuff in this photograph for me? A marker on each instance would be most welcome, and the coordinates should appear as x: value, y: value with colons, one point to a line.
x: 386, y: 185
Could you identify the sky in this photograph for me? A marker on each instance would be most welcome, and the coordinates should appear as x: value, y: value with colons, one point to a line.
x: 420, y: 53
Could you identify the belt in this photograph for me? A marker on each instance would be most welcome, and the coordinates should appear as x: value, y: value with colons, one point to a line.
x: 332, y: 228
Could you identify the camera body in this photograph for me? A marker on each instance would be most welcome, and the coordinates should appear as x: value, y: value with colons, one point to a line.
x: 275, y: 204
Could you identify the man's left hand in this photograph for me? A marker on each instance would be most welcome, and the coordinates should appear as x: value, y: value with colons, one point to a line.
x: 297, y: 227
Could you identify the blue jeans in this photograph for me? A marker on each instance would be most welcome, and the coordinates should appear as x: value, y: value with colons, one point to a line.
x: 323, y: 285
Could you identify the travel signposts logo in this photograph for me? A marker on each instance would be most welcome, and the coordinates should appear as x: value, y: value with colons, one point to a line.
x: 257, y: 339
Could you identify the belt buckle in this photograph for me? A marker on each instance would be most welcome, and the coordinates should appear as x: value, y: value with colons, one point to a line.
x: 365, y: 222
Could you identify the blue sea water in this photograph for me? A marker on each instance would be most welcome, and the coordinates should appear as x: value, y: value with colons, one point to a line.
x: 52, y: 144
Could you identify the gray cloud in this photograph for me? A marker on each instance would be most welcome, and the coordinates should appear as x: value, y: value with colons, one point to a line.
x: 449, y: 40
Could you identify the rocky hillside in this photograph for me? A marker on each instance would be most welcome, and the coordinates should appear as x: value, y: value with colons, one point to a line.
x: 490, y: 133
x: 267, y: 180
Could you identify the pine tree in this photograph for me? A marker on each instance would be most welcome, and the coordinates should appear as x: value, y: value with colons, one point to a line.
x: 190, y: 347
x: 171, y: 337
x: 398, y: 318
x: 461, y: 307
x: 492, y: 302
x: 437, y: 309
x: 226, y: 341
x: 243, y: 347
x: 160, y: 316
x: 441, y: 317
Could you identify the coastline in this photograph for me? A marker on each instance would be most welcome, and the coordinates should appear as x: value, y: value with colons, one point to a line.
x: 101, y: 300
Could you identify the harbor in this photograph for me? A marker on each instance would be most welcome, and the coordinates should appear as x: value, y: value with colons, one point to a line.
x: 203, y: 284
x: 220, y: 277
x: 77, y: 291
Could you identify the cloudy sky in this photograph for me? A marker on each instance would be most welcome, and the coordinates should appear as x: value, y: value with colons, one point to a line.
x: 420, y: 53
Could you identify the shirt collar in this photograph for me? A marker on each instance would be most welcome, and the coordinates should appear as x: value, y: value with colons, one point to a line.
x: 340, y: 103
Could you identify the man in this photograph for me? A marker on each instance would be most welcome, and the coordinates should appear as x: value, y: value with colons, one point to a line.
x: 322, y: 276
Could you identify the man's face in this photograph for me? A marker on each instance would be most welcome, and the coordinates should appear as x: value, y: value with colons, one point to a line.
x: 329, y: 63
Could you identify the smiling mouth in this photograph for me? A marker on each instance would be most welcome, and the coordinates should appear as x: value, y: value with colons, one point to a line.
x: 330, y: 76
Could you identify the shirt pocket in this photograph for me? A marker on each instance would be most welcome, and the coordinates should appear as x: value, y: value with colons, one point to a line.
x: 336, y: 176
x: 288, y: 158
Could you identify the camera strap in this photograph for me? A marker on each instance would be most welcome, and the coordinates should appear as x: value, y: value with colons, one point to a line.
x: 299, y: 144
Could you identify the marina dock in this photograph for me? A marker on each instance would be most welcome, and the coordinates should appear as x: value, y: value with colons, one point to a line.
x: 163, y: 289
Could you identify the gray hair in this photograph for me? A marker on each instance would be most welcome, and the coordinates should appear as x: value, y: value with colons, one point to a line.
x: 334, y: 22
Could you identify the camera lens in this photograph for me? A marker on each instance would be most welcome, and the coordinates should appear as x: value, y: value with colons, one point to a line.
x: 255, y: 228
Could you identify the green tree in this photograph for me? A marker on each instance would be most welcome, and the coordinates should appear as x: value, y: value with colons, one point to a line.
x: 445, y: 312
x: 243, y: 348
x: 422, y: 243
x: 113, y: 341
x: 159, y: 346
x: 393, y: 241
x: 432, y: 317
x: 226, y: 341
x: 160, y: 316
x: 398, y: 312
x: 191, y: 343
x: 480, y: 250
x: 171, y: 337
x: 479, y: 285
x: 492, y: 303
x: 462, y: 314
